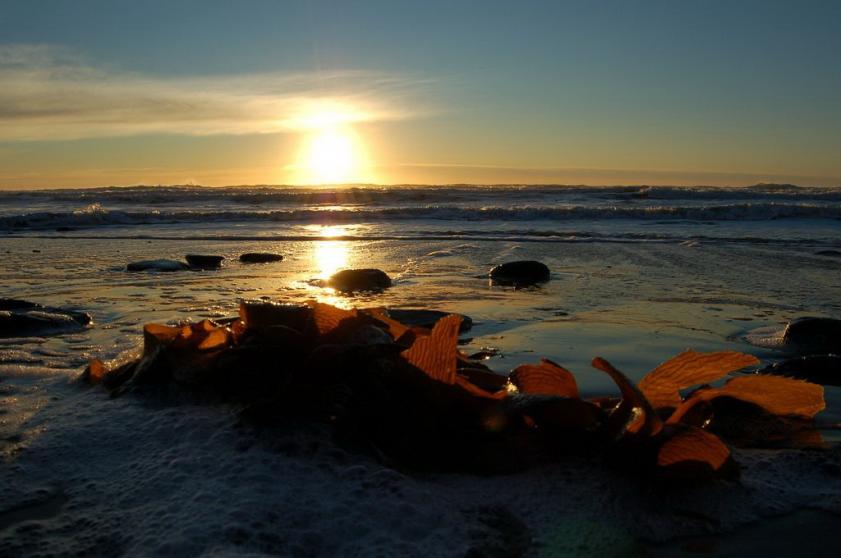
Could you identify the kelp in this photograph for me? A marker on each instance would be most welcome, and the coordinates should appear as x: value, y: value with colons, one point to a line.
x: 409, y: 396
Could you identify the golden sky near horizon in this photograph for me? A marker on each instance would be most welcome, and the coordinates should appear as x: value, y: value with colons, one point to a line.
x: 715, y: 93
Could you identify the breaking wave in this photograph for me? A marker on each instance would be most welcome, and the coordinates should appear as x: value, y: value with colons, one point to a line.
x: 95, y: 215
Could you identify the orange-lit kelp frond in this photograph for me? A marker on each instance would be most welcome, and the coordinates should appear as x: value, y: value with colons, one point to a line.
x: 409, y: 392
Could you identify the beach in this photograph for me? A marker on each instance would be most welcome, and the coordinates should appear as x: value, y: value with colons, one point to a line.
x: 638, y: 275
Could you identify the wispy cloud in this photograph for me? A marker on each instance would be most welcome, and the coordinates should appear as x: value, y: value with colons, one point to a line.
x: 50, y: 93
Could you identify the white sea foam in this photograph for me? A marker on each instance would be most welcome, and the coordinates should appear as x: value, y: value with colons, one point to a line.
x: 38, y: 210
x: 123, y: 477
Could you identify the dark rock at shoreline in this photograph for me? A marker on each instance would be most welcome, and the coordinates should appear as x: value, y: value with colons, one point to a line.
x: 21, y: 318
x: 204, y: 262
x: 359, y: 280
x: 829, y: 253
x: 157, y: 265
x: 260, y: 257
x: 520, y: 273
x: 813, y: 335
x: 819, y: 369
x: 426, y: 318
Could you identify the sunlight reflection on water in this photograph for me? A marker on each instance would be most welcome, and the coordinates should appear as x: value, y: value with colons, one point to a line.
x: 328, y: 257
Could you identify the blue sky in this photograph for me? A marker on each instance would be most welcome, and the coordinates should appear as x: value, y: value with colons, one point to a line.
x: 595, y: 92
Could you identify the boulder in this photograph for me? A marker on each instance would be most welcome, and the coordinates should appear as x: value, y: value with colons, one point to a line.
x: 204, y: 262
x: 260, y: 257
x: 828, y: 253
x: 157, y: 265
x: 359, y: 280
x: 813, y: 335
x: 21, y: 318
x: 520, y: 273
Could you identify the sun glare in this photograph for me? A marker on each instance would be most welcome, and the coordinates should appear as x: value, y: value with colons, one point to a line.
x: 331, y: 255
x: 332, y: 157
x: 332, y: 152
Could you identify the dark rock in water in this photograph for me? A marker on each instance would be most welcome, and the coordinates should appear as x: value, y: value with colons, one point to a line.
x: 204, y: 262
x: 260, y: 257
x: 157, y: 265
x: 520, y: 273
x: 813, y: 335
x: 830, y: 253
x: 16, y: 304
x: 819, y: 369
x: 21, y: 318
x: 425, y: 318
x: 355, y: 280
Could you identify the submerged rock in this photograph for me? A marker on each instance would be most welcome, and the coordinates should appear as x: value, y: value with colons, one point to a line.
x: 804, y: 336
x: 21, y: 318
x: 359, y: 280
x: 260, y: 257
x: 157, y: 265
x: 204, y: 262
x: 820, y: 369
x: 829, y: 253
x: 426, y: 318
x: 520, y: 273
x: 814, y: 335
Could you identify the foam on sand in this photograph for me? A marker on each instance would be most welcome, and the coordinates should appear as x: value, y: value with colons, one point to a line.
x: 96, y: 475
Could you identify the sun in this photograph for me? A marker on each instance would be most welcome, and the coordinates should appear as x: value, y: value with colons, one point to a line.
x: 332, y: 153
x: 332, y: 157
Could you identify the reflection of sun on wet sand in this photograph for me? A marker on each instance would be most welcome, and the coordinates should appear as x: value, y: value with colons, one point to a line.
x: 331, y: 256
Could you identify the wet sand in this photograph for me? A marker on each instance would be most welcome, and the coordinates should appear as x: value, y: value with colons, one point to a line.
x: 190, y: 480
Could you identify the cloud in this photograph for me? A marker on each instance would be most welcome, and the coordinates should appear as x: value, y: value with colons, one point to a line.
x: 49, y: 93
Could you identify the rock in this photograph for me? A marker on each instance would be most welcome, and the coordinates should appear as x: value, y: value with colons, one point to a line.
x: 814, y: 335
x: 157, y: 265
x: 260, y: 257
x: 520, y: 273
x: 426, y: 318
x: 828, y: 253
x: 355, y: 280
x: 21, y: 318
x: 204, y: 262
x: 819, y: 369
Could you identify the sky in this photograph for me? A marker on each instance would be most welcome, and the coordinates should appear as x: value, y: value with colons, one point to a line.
x: 97, y: 93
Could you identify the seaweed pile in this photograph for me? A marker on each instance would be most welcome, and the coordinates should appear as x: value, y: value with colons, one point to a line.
x: 408, y: 396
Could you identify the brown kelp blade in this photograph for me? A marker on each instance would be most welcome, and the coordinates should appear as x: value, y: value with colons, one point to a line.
x: 775, y: 394
x: 328, y: 317
x: 662, y: 385
x: 202, y: 336
x: 545, y: 378
x: 435, y: 353
x: 95, y: 371
x: 635, y: 412
x: 157, y: 335
x: 692, y: 452
x: 217, y: 338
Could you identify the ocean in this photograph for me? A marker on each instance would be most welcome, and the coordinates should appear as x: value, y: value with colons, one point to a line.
x: 638, y: 275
